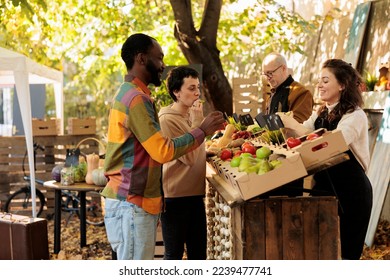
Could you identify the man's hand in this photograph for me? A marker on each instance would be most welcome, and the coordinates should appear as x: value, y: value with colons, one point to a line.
x: 213, y: 122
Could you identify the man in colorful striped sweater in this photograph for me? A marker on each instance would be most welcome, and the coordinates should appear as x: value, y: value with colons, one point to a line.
x: 137, y: 149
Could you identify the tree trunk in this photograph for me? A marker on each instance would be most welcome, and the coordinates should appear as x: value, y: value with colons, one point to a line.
x: 199, y: 47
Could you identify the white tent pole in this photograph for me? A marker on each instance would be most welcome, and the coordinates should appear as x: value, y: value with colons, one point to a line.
x: 23, y: 92
x: 17, y: 69
x: 59, y: 100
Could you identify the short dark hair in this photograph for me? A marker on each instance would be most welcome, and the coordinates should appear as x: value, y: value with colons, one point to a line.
x: 175, y: 78
x: 135, y: 44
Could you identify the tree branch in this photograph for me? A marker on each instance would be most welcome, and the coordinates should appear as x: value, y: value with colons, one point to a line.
x: 209, y: 26
x: 183, y: 16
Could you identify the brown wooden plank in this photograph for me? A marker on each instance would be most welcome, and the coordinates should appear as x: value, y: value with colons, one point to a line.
x: 7, y: 159
x: 8, y: 141
x: 13, y: 149
x: 237, y: 238
x: 273, y: 232
x: 310, y: 228
x: 329, y: 234
x: 244, y: 81
x: 254, y: 224
x: 245, y: 89
x: 292, y: 221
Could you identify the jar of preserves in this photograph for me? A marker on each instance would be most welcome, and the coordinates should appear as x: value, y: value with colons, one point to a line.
x: 67, y: 176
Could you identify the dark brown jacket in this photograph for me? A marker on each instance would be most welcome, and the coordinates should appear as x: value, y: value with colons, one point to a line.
x: 291, y: 96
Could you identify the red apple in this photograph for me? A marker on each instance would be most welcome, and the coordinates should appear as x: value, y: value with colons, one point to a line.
x: 293, y: 142
x: 312, y: 136
x: 249, y: 149
x: 226, y: 154
x: 247, y: 143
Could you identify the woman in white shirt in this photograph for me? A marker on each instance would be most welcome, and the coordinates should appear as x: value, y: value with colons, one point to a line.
x: 339, y: 88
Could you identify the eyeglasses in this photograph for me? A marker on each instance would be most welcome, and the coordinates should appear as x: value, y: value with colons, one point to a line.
x: 270, y: 74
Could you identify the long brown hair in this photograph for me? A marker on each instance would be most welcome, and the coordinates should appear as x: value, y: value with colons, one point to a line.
x: 351, y: 95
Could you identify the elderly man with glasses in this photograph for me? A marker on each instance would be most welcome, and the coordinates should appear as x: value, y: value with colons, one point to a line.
x: 286, y: 94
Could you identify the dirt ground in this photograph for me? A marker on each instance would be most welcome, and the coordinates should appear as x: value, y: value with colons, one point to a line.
x: 98, y: 247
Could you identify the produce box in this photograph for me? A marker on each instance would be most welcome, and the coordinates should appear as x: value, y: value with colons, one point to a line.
x: 251, y: 185
x: 222, y: 168
x: 49, y: 127
x: 78, y: 126
x: 329, y: 144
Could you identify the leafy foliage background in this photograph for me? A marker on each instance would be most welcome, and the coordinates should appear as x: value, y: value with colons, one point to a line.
x: 83, y: 39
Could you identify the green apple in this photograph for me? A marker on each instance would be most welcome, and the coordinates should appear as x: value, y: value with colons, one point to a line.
x: 263, y: 152
x: 235, y: 162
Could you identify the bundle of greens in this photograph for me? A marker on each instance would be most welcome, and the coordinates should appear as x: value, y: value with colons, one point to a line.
x: 272, y: 136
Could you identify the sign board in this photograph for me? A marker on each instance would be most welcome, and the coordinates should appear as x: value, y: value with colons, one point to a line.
x: 379, y: 172
x: 356, y: 33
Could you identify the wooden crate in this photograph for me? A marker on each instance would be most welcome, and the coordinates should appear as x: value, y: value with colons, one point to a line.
x: 49, y: 127
x: 280, y: 228
x: 301, y: 228
x: 78, y: 126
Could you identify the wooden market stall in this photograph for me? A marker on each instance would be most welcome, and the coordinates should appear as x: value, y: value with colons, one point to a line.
x: 242, y: 225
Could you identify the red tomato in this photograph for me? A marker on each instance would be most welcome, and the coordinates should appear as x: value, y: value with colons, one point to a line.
x: 293, y: 142
x: 226, y: 154
x: 312, y: 136
x: 249, y: 149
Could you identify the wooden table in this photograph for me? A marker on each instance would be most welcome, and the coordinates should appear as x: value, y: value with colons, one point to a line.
x: 82, y: 188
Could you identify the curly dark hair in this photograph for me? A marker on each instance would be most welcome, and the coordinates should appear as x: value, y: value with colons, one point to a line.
x: 351, y: 96
x: 175, y: 78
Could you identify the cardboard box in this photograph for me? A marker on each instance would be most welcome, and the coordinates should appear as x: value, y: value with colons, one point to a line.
x: 251, y: 185
x: 221, y: 168
x: 50, y: 127
x: 78, y: 126
x: 329, y: 144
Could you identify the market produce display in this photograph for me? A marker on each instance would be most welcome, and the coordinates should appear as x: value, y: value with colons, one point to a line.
x: 89, y: 171
x: 255, y: 160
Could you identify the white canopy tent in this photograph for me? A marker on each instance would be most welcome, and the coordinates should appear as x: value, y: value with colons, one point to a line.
x: 16, y: 69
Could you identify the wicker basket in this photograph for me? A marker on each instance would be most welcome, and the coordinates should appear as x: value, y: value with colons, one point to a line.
x: 101, y: 144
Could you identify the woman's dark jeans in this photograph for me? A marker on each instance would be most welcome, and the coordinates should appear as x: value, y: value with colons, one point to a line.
x: 184, y: 224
